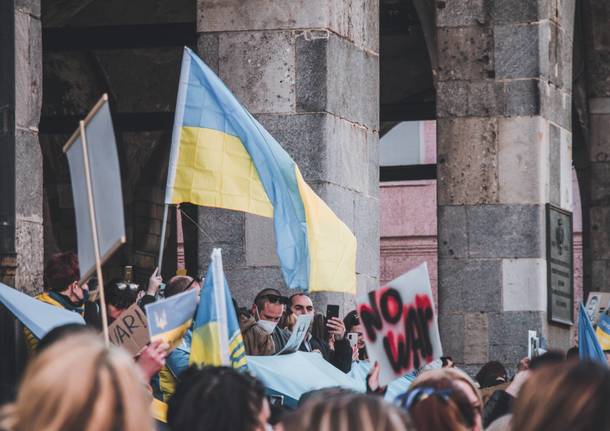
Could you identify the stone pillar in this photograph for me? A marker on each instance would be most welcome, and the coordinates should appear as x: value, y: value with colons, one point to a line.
x: 504, y: 151
x: 597, y: 31
x: 21, y: 232
x: 308, y: 71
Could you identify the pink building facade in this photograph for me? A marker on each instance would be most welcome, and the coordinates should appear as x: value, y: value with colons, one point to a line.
x: 408, y: 223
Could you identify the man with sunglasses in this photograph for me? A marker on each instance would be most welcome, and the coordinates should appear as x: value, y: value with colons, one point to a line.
x: 260, y: 331
x: 337, y: 349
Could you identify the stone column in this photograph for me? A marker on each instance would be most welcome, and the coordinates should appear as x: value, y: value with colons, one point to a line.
x: 504, y: 151
x: 308, y: 71
x: 21, y: 250
x: 597, y: 13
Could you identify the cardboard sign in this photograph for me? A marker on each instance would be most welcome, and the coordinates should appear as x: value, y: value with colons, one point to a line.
x: 298, y: 334
x: 130, y: 330
x: 597, y: 304
x: 400, y: 326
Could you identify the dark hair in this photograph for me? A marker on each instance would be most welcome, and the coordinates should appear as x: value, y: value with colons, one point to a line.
x: 120, y: 298
x: 551, y: 357
x: 61, y: 271
x: 491, y: 374
x: 318, y: 327
x: 571, y: 396
x: 572, y: 352
x: 215, y: 398
x: 178, y: 284
x: 61, y: 332
x: 350, y: 320
x: 260, y: 300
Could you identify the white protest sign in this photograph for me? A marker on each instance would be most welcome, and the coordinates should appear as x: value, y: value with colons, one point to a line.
x: 400, y: 326
x: 298, y: 334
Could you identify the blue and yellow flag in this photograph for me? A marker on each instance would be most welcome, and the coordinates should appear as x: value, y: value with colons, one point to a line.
x: 169, y: 319
x: 588, y: 344
x: 216, y: 335
x: 222, y: 157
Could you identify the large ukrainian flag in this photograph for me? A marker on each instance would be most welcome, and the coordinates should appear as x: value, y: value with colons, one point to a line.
x: 216, y: 335
x: 222, y: 157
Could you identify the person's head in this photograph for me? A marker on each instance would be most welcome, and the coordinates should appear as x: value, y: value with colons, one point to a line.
x: 345, y: 411
x: 459, y: 380
x: 300, y: 303
x: 571, y: 396
x: 352, y: 324
x: 120, y: 295
x: 61, y: 275
x: 218, y: 399
x: 78, y: 384
x: 440, y: 404
x: 447, y: 362
x: 491, y: 374
x: 181, y: 283
x: 572, y: 353
x: 269, y: 306
x: 552, y: 357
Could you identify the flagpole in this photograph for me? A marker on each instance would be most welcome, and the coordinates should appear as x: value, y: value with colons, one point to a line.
x: 162, y: 244
x: 98, y: 263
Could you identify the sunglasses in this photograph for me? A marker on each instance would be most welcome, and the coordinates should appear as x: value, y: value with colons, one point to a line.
x: 132, y: 286
x: 411, y: 398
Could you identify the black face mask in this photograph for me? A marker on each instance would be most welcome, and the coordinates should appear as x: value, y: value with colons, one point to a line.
x: 81, y: 302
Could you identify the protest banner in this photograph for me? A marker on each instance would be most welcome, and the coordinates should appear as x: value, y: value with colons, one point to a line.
x: 170, y: 318
x: 98, y: 199
x: 36, y: 315
x: 589, y: 347
x: 603, y: 330
x: 597, y: 304
x: 298, y: 334
x: 130, y: 330
x: 533, y: 344
x: 400, y: 325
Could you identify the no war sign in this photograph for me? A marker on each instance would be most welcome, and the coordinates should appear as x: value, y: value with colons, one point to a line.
x: 400, y: 326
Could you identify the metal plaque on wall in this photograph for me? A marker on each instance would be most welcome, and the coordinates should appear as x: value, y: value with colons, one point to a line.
x: 560, y: 265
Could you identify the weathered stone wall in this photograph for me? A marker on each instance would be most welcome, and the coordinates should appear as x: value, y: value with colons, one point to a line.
x: 504, y: 151
x: 309, y: 72
x: 24, y: 269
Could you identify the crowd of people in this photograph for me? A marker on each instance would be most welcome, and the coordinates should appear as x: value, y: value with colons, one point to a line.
x: 75, y: 382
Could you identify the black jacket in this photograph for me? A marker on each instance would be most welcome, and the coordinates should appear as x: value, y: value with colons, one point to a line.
x: 341, y: 357
x: 499, y: 404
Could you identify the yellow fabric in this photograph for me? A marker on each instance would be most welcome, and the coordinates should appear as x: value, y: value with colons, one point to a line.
x: 237, y: 349
x: 603, y: 338
x: 159, y: 410
x: 214, y: 169
x: 332, y: 246
x: 173, y: 337
x: 167, y: 383
x: 205, y: 347
x: 31, y: 341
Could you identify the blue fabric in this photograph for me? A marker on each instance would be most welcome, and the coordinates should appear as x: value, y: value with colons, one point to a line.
x: 397, y: 387
x: 172, y: 312
x: 210, y: 104
x: 178, y: 360
x: 36, y: 315
x: 588, y: 345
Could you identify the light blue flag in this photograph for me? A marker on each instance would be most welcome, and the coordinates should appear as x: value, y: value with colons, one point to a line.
x: 588, y: 345
x: 39, y: 317
x: 313, y: 372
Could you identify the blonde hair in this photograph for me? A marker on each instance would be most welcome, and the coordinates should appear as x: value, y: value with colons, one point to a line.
x: 79, y: 384
x: 328, y: 411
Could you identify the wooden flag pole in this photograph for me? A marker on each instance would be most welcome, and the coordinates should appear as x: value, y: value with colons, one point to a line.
x: 98, y: 262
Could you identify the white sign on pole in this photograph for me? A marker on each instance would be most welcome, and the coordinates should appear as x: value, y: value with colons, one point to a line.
x: 400, y: 325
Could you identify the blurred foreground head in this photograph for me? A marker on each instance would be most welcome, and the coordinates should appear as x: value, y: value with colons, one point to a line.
x: 572, y: 396
x: 346, y: 411
x: 77, y: 384
x: 218, y: 399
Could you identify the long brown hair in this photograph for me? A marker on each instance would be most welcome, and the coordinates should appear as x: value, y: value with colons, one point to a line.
x: 79, y: 384
x: 573, y: 396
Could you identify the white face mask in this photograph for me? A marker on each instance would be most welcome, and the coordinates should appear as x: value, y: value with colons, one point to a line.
x: 267, y: 325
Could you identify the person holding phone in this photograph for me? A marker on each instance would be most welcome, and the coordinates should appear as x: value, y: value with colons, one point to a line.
x: 335, y: 348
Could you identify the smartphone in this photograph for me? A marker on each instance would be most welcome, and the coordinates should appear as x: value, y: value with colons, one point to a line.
x: 353, y: 338
x: 332, y: 311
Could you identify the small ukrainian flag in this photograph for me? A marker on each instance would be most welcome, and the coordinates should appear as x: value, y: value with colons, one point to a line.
x: 216, y: 335
x: 169, y: 319
x: 222, y: 157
